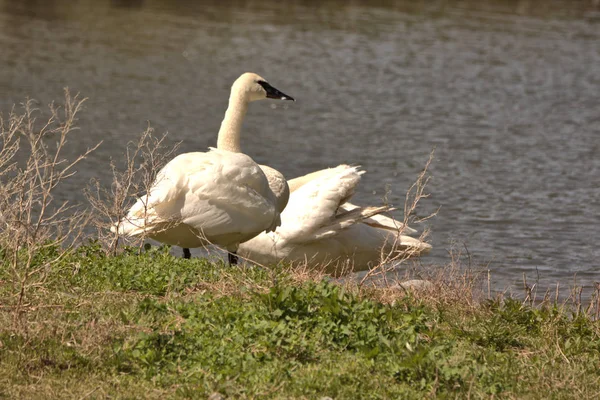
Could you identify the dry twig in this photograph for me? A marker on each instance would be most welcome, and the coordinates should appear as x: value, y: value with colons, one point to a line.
x: 32, y: 166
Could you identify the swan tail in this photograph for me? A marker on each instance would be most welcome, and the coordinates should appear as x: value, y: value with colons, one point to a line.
x: 411, y: 245
x: 141, y: 219
x: 135, y: 226
x: 382, y: 221
x: 390, y: 224
x: 346, y: 219
x: 361, y: 214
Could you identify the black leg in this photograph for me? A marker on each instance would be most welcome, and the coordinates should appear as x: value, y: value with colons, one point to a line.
x: 233, y: 258
x: 186, y: 253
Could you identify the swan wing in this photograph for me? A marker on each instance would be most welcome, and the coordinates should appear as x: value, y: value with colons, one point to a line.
x: 376, y: 221
x: 345, y: 220
x: 218, y: 193
x: 158, y: 208
x: 278, y: 185
x: 297, y: 183
x: 312, y: 211
x: 381, y: 221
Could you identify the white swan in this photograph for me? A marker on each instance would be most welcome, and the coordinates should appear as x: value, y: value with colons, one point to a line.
x: 319, y: 227
x: 231, y: 127
x: 376, y: 221
x: 220, y: 197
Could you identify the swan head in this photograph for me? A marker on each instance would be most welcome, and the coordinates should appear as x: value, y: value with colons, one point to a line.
x: 253, y: 87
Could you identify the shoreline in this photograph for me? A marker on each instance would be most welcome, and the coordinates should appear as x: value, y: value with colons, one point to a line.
x: 151, y: 325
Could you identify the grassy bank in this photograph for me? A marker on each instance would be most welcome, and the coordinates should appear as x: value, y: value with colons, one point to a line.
x: 156, y: 326
x: 83, y: 324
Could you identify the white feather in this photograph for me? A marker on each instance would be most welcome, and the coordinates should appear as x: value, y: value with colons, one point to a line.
x: 320, y: 228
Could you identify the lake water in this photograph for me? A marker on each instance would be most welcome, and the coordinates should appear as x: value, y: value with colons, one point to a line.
x: 507, y: 92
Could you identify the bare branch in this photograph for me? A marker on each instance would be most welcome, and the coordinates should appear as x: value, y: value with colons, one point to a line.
x: 31, y: 168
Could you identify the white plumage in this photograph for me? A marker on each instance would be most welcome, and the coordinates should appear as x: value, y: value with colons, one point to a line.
x: 320, y: 228
x: 217, y: 197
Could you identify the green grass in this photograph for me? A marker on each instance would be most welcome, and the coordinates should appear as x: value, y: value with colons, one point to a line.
x: 157, y: 326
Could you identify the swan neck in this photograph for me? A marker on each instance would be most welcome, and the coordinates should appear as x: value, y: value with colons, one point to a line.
x: 231, y: 127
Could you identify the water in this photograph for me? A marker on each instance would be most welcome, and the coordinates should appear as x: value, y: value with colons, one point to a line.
x: 507, y: 92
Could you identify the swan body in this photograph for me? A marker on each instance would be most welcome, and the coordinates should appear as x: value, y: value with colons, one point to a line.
x: 320, y: 228
x: 197, y: 199
x: 219, y: 197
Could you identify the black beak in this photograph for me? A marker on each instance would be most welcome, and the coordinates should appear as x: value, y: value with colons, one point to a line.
x: 273, y: 93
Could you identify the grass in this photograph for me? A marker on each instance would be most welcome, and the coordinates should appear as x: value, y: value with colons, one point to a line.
x: 151, y: 325
x: 100, y: 321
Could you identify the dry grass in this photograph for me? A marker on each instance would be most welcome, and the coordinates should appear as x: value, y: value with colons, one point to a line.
x: 394, y: 255
x: 31, y: 218
x: 143, y: 160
